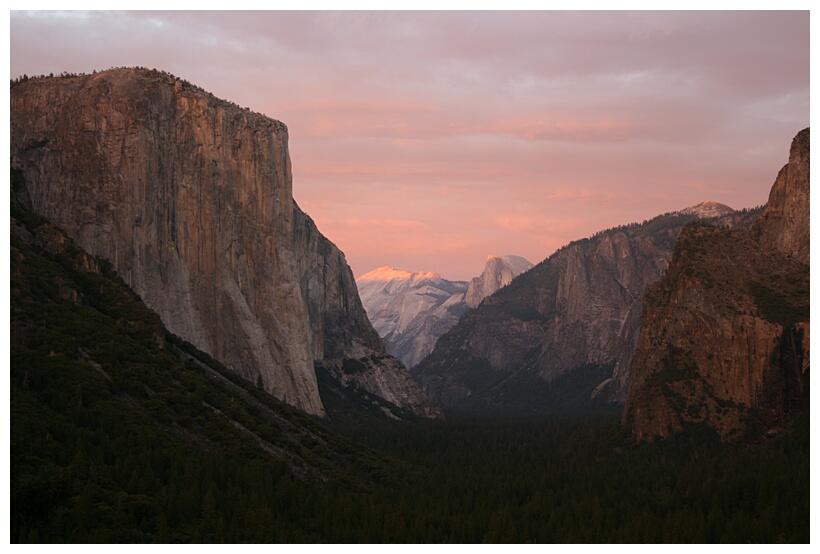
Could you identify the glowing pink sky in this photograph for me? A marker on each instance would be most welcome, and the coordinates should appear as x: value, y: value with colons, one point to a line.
x: 428, y: 140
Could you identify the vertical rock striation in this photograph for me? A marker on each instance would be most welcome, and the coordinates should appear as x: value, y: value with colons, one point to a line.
x: 785, y: 223
x: 190, y: 199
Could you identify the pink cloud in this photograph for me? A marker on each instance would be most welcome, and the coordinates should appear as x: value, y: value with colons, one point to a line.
x: 514, y: 224
x: 463, y: 134
x: 384, y: 225
x: 560, y: 130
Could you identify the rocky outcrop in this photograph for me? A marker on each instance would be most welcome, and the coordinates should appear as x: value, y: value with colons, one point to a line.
x: 785, y: 223
x: 190, y: 198
x: 410, y: 311
x: 498, y: 272
x: 706, y: 210
x: 725, y: 334
x: 578, y: 310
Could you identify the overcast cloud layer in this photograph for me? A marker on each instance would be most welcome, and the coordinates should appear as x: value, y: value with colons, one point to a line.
x: 427, y: 141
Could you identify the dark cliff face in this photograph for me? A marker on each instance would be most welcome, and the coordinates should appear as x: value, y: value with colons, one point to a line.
x: 344, y: 342
x: 725, y: 335
x: 571, y: 320
x: 339, y: 324
x: 785, y: 223
x: 190, y: 199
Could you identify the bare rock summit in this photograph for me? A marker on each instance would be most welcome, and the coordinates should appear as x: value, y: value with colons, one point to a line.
x: 498, y: 272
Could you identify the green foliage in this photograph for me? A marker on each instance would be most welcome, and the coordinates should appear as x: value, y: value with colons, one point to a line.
x: 528, y: 479
x: 121, y: 432
x: 784, y: 304
x: 517, y: 300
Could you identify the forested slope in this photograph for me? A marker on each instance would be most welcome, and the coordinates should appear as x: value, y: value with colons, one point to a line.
x: 120, y: 432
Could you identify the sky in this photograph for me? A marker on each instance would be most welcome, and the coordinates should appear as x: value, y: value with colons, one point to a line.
x: 429, y: 140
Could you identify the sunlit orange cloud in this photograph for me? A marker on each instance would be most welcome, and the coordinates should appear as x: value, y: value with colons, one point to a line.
x: 334, y: 104
x: 448, y: 191
x: 362, y: 122
x: 457, y: 247
x: 411, y: 245
x: 588, y: 195
x: 454, y: 236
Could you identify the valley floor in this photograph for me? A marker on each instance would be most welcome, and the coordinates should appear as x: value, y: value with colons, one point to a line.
x: 570, y: 481
x: 121, y: 432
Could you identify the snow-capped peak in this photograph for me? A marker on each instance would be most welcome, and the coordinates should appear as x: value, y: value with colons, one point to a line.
x: 387, y: 273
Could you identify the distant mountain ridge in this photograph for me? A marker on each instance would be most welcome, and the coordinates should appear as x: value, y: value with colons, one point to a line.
x: 387, y: 273
x: 410, y: 311
x: 572, y: 320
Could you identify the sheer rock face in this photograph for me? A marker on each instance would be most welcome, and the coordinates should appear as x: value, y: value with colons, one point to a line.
x: 725, y: 334
x: 498, y: 272
x: 338, y: 323
x: 785, y: 223
x: 190, y: 199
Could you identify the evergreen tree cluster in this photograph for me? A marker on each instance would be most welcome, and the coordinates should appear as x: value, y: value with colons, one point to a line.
x: 155, y: 73
x: 551, y: 480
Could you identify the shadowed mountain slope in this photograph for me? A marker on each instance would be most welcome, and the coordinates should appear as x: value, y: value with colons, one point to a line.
x: 725, y: 340
x: 578, y: 311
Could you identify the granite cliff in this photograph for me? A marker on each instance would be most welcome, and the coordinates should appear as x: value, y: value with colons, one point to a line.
x: 498, y: 272
x: 725, y: 339
x: 563, y: 332
x: 784, y: 225
x: 190, y: 198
